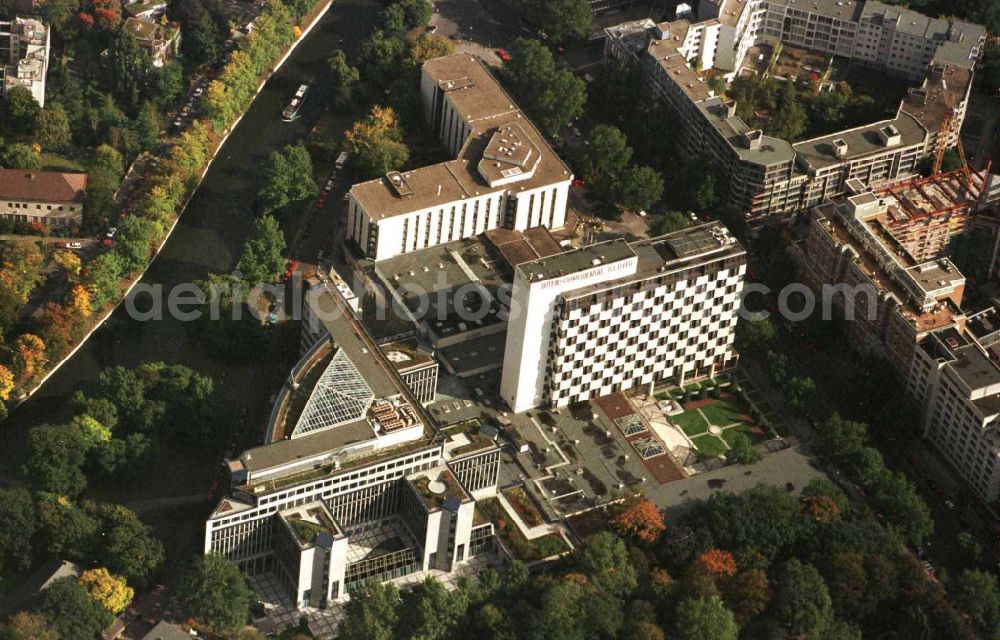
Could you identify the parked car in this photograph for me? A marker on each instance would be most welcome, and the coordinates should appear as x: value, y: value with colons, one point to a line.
x: 74, y: 245
x: 503, y: 55
x: 111, y: 232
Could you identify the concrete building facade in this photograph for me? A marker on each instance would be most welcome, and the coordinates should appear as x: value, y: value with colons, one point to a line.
x: 48, y: 198
x: 24, y: 56
x: 504, y: 174
x: 617, y: 315
x: 353, y: 481
x: 769, y: 176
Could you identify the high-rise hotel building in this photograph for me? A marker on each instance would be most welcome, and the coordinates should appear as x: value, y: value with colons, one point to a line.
x: 619, y: 315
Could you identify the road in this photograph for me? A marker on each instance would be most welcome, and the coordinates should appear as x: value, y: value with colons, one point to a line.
x: 208, y: 239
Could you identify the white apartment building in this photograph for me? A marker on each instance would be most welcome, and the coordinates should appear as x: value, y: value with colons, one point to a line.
x: 504, y: 174
x: 24, y: 56
x: 957, y: 382
x: 618, y: 315
x: 768, y: 176
x: 353, y: 482
x: 48, y: 198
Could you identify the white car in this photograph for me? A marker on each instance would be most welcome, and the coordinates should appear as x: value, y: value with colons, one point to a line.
x: 74, y: 245
x: 198, y: 92
x: 329, y: 185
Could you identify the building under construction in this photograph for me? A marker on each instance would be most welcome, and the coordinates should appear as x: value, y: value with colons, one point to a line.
x: 924, y: 215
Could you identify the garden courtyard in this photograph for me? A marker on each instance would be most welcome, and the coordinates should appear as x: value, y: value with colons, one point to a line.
x: 714, y: 412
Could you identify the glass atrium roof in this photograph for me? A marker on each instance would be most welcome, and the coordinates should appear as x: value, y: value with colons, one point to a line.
x: 341, y: 395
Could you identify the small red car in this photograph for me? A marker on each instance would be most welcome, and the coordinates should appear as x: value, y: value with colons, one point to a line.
x: 578, y: 182
x: 502, y: 53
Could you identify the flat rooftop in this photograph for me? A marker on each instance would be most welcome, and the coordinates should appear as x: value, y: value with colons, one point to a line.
x: 577, y: 260
x: 850, y: 10
x: 890, y: 271
x: 488, y: 110
x: 517, y: 247
x: 309, y: 522
x: 428, y: 280
x: 771, y: 151
x: 861, y: 141
x: 929, y: 102
x: 406, y: 355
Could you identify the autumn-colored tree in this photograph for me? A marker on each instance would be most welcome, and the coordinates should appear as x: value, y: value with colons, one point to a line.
x: 57, y: 328
x: 822, y: 509
x: 747, y: 594
x: 719, y: 562
x: 641, y: 519
x: 28, y: 626
x: 93, y: 431
x: 30, y: 351
x: 427, y: 46
x: 111, y: 591
x: 6, y: 382
x: 79, y: 302
x: 68, y: 261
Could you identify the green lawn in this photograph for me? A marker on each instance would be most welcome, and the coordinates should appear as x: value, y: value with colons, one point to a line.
x: 730, y: 434
x: 721, y: 413
x: 691, y: 423
x: 709, y: 445
x: 73, y: 162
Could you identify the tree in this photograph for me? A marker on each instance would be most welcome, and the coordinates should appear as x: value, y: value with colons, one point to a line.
x: 215, y: 592
x: 135, y: 241
x: 52, y: 129
x: 288, y: 177
x: 169, y: 84
x: 56, y: 454
x: 800, y: 392
x: 68, y: 261
x: 201, y: 41
x: 66, y: 530
x: 430, y: 611
x: 371, y: 613
x: 79, y: 302
x: 111, y: 591
x: 104, y: 278
x: 28, y: 626
x: 345, y: 79
x: 6, y: 382
x: 719, y: 562
x: 21, y: 156
x: 741, y: 450
x: 705, y: 618
x: 802, y: 601
x: 428, y: 46
x: 754, y: 337
x: 17, y: 527
x: 605, y: 159
x: 376, y: 140
x: 672, y: 221
x: 72, y: 612
x: 130, y: 70
x: 561, y: 19
x: 763, y: 518
x: 747, y: 594
x: 976, y: 594
x: 790, y: 120
x: 262, y: 261
x: 20, y: 111
x: 604, y: 560
x: 128, y: 548
x: 553, y: 97
x: 641, y: 187
x: 641, y: 519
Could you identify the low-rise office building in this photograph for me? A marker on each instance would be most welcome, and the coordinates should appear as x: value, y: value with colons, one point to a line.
x: 24, y: 56
x: 48, y: 198
x: 617, y: 315
x: 353, y: 481
x: 504, y: 174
